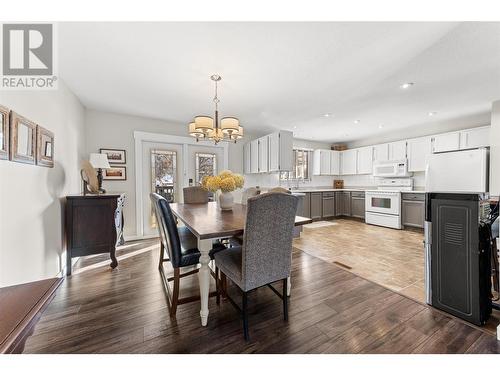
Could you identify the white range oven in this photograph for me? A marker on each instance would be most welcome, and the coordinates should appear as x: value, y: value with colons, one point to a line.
x: 383, y: 206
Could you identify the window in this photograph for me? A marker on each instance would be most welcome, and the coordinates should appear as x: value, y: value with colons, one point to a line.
x: 163, y: 176
x: 206, y: 165
x: 301, y: 166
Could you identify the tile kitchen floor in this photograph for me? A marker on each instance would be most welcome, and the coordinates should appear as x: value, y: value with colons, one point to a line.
x: 389, y: 257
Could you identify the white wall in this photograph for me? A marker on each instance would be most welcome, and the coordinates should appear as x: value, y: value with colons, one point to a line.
x: 30, y: 196
x: 110, y: 130
x: 495, y: 149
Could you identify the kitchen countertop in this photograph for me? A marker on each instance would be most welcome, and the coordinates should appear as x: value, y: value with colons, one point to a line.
x: 320, y: 189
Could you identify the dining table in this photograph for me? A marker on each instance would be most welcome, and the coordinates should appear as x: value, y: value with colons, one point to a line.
x: 208, y: 223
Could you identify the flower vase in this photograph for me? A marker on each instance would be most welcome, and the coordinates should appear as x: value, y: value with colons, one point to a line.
x: 226, y: 201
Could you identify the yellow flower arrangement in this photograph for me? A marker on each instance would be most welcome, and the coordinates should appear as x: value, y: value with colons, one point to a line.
x: 227, y: 184
x: 226, y: 181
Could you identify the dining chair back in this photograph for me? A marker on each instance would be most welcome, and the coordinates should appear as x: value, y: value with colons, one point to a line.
x: 249, y: 193
x: 167, y: 227
x: 266, y: 254
x: 267, y: 240
x: 279, y: 189
x: 195, y: 195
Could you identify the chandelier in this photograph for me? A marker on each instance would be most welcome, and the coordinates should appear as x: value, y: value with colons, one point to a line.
x: 228, y: 129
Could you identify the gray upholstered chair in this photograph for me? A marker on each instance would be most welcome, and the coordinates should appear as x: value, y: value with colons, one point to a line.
x: 279, y: 189
x: 266, y: 254
x: 195, y: 194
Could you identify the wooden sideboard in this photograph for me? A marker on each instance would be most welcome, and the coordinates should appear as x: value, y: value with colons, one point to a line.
x: 94, y: 225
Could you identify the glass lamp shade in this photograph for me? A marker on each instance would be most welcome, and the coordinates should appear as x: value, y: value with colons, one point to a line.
x: 99, y: 161
x: 229, y: 124
x: 204, y: 123
x: 193, y: 132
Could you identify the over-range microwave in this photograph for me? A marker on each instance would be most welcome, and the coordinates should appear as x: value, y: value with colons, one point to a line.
x: 391, y: 168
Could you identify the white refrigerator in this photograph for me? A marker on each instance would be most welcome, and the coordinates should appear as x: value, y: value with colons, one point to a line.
x: 458, y: 171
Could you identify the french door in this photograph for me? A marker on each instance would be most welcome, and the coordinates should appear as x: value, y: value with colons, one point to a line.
x: 162, y: 174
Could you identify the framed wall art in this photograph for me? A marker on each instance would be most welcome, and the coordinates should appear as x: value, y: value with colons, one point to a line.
x: 4, y: 132
x: 115, y: 173
x: 22, y: 139
x: 44, y: 147
x: 115, y: 156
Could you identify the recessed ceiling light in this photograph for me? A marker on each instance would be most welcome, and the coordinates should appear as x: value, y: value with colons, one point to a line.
x: 380, y: 126
x: 295, y: 127
x: 432, y: 114
x: 357, y: 121
x: 327, y: 115
x: 406, y: 85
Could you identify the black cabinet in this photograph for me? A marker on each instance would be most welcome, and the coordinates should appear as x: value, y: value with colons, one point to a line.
x: 94, y: 225
x: 460, y: 255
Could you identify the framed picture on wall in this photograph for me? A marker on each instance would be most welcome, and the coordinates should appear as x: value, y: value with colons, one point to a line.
x: 115, y: 173
x: 44, y: 147
x: 22, y: 139
x: 115, y: 156
x: 4, y: 132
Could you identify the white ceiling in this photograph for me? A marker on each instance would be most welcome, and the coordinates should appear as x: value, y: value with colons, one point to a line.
x: 287, y: 75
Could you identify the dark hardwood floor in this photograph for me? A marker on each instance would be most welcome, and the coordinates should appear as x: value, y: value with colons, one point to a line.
x: 99, y: 310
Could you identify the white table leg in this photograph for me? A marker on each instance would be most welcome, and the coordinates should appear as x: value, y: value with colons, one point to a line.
x: 289, y: 286
x: 204, y: 278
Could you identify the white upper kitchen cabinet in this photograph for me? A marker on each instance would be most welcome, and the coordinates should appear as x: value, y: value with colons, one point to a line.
x: 418, y: 149
x: 254, y: 156
x: 475, y: 138
x: 335, y: 163
x: 247, y: 158
x: 381, y: 152
x: 446, y: 142
x: 397, y: 150
x: 280, y: 151
x: 322, y: 162
x: 263, y: 154
x: 365, y: 160
x: 349, y: 161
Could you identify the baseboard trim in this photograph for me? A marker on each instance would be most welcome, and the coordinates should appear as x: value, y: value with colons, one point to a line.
x: 136, y: 238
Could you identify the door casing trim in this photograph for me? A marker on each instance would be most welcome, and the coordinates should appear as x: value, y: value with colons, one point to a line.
x: 139, y: 138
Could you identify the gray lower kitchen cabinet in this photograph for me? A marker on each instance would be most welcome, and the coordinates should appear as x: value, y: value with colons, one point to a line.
x: 328, y: 204
x: 413, y: 213
x: 306, y: 205
x: 413, y: 207
x: 358, y: 205
x: 316, y: 206
x: 343, y: 203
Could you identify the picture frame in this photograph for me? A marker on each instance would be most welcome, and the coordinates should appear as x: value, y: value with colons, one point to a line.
x: 115, y: 156
x: 44, y: 147
x: 22, y: 139
x: 115, y: 173
x: 4, y: 132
